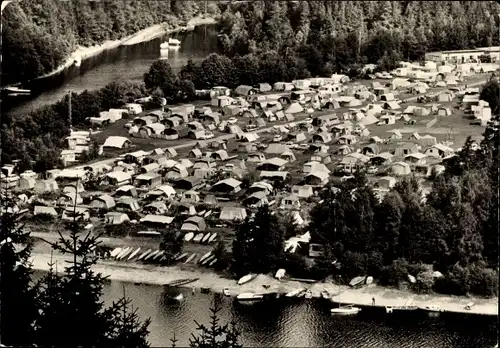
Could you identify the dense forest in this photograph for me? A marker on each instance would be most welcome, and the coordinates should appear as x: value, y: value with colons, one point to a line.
x: 332, y: 35
x: 38, y: 35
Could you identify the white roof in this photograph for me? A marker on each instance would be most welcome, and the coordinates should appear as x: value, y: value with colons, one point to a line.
x: 119, y: 176
x: 157, y: 218
x: 115, y: 141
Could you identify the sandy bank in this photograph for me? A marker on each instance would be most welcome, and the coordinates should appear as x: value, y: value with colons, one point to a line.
x: 132, y: 272
x: 141, y: 36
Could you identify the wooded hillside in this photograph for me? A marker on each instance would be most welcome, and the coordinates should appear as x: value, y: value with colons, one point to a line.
x: 331, y: 35
x: 38, y: 35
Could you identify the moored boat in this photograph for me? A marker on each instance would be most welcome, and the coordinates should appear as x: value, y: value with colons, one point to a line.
x: 433, y: 310
x: 392, y: 309
x: 249, y: 297
x: 173, y: 43
x: 345, y: 310
x: 246, y: 279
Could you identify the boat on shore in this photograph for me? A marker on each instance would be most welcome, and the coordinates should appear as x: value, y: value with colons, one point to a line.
x: 246, y: 279
x: 206, y: 237
x: 325, y: 294
x: 345, y: 310
x: 15, y: 91
x: 151, y: 255
x: 294, y: 293
x: 226, y: 292
x: 357, y: 281
x: 212, y: 262
x: 115, y: 252
x: 180, y: 257
x: 180, y: 282
x: 206, y: 256
x: 198, y: 238
x: 433, y: 310
x: 157, y: 256
x: 134, y: 254
x: 212, y: 237
x: 308, y: 295
x: 144, y: 254
x: 190, y: 258
x: 189, y: 236
x: 122, y: 254
x: 249, y: 297
x: 302, y: 293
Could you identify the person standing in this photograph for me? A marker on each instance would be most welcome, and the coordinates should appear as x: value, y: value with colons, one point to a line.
x: 373, y: 301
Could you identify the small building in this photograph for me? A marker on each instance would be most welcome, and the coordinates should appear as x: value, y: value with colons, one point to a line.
x: 400, y: 168
x: 189, y: 183
x: 127, y: 204
x: 190, y: 197
x: 291, y: 202
x: 227, y: 186
x: 370, y: 150
x: 416, y: 159
x: 116, y: 142
x: 104, y: 202
x: 386, y: 182
x: 148, y: 180
x: 256, y: 200
x: 273, y: 164
x: 156, y: 221
x: 115, y: 218
x: 256, y: 157
x: 316, y: 179
x: 302, y: 191
x: 405, y: 149
x: 261, y: 186
x: 233, y: 214
x: 75, y: 213
x: 439, y: 150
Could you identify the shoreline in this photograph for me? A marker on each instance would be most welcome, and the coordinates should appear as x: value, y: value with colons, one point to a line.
x: 157, y: 275
x: 143, y: 35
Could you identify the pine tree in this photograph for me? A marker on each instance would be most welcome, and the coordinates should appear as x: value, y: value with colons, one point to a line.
x: 16, y: 293
x: 71, y: 310
x: 216, y: 335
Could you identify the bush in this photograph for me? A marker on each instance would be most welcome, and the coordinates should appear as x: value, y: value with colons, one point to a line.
x: 296, y: 266
x: 484, y: 282
x: 425, y: 282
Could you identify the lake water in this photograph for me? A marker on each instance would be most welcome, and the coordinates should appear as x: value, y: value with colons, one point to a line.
x: 121, y: 63
x: 304, y: 323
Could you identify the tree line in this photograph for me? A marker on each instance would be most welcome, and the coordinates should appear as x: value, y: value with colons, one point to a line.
x: 339, y: 35
x: 39, y: 35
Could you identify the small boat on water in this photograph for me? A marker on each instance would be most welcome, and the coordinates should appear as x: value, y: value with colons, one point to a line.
x: 392, y: 309
x: 134, y: 254
x: 16, y: 91
x: 433, y: 310
x: 206, y: 237
x: 115, y: 252
x: 345, y: 310
x: 294, y: 293
x: 205, y: 256
x: 212, y: 237
x: 143, y: 255
x: 190, y: 258
x: 173, y: 43
x: 212, y: 262
x: 189, y: 236
x: 249, y: 297
x: 246, y: 279
x: 325, y: 294
x: 180, y: 257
